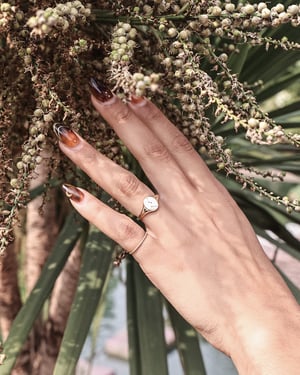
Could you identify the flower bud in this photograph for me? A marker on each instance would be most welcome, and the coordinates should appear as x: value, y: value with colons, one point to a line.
x: 172, y: 32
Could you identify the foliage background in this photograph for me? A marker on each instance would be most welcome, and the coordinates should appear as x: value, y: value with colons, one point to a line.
x: 214, y: 68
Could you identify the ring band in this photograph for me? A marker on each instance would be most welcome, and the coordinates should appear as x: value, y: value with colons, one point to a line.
x: 119, y: 257
x: 139, y: 244
x: 150, y: 204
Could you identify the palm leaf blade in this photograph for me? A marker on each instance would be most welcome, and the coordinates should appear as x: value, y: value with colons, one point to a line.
x: 94, y: 274
x: 148, y: 331
x: 187, y: 344
x: 132, y: 322
x: 23, y: 323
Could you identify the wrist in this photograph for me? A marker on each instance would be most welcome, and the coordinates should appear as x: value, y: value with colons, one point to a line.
x: 267, y: 343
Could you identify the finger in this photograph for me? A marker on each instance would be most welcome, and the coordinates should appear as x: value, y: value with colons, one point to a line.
x: 115, y: 180
x: 139, y: 139
x: 181, y: 149
x: 121, y: 229
x: 118, y: 227
x: 178, y: 145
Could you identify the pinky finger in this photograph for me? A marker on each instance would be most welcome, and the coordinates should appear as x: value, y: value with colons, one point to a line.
x: 118, y: 227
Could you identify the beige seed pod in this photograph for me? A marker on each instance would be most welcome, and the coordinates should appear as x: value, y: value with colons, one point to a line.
x: 172, y: 32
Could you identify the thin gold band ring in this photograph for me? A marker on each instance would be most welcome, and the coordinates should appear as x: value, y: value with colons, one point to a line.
x: 139, y: 244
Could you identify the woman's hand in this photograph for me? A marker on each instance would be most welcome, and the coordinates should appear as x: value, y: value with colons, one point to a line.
x: 200, y: 251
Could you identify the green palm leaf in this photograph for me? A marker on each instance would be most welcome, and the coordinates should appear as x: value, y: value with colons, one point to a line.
x: 236, y: 61
x: 187, y: 342
x: 94, y: 274
x: 147, y: 354
x: 287, y: 113
x: 277, y: 85
x: 25, y: 319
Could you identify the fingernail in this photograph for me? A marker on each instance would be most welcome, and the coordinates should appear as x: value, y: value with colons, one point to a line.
x: 72, y: 192
x: 66, y: 135
x: 100, y: 91
x: 136, y: 99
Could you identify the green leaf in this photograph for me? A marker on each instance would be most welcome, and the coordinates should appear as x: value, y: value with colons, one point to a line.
x: 23, y: 323
x: 236, y: 61
x: 293, y: 288
x: 264, y: 214
x: 275, y: 221
x: 273, y: 87
x: 288, y: 111
x: 132, y: 321
x: 147, y: 352
x: 265, y: 65
x: 275, y: 241
x: 187, y: 343
x: 94, y: 274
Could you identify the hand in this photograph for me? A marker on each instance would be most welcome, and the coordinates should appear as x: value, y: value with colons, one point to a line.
x: 201, y: 251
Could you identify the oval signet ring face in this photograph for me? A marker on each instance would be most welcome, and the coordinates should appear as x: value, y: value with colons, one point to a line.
x: 150, y: 204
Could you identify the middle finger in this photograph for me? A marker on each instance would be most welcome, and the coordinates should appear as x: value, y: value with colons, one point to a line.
x: 140, y: 140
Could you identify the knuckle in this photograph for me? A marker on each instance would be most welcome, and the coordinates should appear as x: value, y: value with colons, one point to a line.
x: 153, y: 115
x: 128, y: 184
x: 126, y: 229
x: 122, y: 114
x: 157, y: 151
x: 88, y: 156
x: 181, y: 144
x: 96, y: 216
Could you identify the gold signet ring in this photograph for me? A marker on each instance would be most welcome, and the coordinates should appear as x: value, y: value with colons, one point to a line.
x: 150, y: 204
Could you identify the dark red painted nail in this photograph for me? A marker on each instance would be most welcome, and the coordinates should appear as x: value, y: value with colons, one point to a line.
x: 73, y: 192
x: 136, y: 99
x: 100, y: 91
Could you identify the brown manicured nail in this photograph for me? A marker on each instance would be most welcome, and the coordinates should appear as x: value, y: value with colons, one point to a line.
x: 72, y: 192
x: 100, y: 91
x: 66, y: 135
x: 136, y: 99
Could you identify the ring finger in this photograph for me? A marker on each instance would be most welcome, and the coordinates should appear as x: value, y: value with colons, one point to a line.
x: 119, y: 227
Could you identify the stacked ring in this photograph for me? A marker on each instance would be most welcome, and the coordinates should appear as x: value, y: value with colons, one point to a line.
x: 150, y: 204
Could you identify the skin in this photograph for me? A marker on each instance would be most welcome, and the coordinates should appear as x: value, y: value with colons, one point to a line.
x: 201, y: 251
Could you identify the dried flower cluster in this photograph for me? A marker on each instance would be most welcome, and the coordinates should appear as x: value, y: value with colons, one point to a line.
x: 176, y: 52
x: 58, y: 19
x: 120, y: 60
